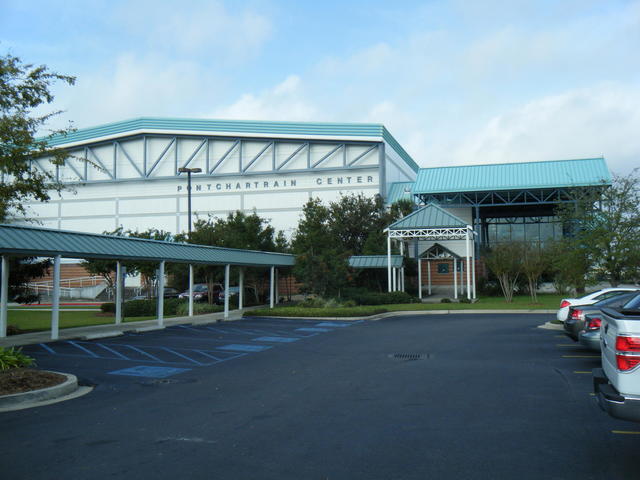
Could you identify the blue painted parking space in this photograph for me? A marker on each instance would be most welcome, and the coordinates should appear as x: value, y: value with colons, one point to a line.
x: 180, y: 348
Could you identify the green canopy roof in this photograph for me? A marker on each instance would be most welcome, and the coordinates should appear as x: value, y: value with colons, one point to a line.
x: 399, y: 191
x: 43, y: 242
x: 429, y: 216
x: 513, y: 176
x: 375, y: 261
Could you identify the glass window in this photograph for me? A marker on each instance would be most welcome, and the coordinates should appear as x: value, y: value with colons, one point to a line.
x: 517, y: 232
x: 443, y: 268
x: 503, y: 232
x: 532, y: 232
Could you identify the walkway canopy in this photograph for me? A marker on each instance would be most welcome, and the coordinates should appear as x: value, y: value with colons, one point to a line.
x: 434, y: 224
x: 19, y: 240
x: 375, y: 261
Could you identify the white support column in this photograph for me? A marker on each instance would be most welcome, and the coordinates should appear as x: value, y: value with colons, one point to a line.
x: 241, y: 287
x: 191, y: 290
x: 388, y: 261
x: 429, y: 275
x: 118, y: 292
x: 55, y: 300
x: 4, y: 296
x: 461, y: 275
x: 227, y: 269
x: 161, y: 294
x: 473, y: 272
x: 419, y: 278
x: 402, y: 267
x: 271, y: 289
x: 395, y: 280
x: 276, y: 287
x: 468, y: 265
x: 455, y: 279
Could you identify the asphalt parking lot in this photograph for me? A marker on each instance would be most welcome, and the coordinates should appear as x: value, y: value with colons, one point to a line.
x: 432, y: 396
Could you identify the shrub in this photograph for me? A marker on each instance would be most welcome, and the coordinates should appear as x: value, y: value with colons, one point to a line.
x: 14, y: 358
x: 198, y: 308
x: 445, y: 300
x: 364, y: 297
x: 465, y: 300
x: 143, y: 308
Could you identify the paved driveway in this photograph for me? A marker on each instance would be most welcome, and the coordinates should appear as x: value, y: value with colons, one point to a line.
x: 433, y: 396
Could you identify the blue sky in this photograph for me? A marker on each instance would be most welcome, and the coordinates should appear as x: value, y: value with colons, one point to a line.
x: 456, y: 82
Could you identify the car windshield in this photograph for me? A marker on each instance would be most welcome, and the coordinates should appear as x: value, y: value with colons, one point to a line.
x: 200, y: 288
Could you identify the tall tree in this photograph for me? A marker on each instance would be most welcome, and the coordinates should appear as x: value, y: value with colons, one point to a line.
x: 605, y: 227
x: 321, y: 263
x: 24, y: 89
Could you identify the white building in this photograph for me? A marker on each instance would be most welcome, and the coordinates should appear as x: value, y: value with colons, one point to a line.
x: 272, y: 167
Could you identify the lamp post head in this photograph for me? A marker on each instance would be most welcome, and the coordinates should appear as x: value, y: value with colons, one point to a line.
x: 189, y: 170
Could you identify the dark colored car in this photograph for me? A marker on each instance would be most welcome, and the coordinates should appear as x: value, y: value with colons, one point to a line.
x: 201, y: 292
x: 575, y: 322
x: 169, y: 292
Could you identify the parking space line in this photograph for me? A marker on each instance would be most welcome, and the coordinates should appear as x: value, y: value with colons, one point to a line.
x: 144, y: 353
x: 208, y: 355
x: 244, y: 348
x: 167, y: 349
x: 305, y: 329
x: 276, y: 339
x: 113, y: 351
x: 94, y: 355
x: 47, y: 348
x: 624, y: 432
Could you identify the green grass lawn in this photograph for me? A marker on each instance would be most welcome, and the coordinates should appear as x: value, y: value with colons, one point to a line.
x: 41, y: 319
x: 545, y: 302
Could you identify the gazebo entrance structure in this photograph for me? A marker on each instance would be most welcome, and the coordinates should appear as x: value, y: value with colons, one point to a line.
x: 433, y: 224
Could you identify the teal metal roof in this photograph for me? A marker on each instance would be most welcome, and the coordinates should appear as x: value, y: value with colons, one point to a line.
x: 375, y: 261
x: 399, y: 191
x: 239, y: 126
x: 43, y: 242
x: 429, y: 216
x: 513, y: 176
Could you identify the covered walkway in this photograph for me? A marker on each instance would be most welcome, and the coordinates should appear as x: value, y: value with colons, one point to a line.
x: 18, y: 240
x: 432, y: 223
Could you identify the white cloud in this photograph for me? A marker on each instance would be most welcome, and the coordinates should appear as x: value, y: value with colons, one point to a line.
x: 133, y: 86
x: 285, y: 101
x: 581, y: 123
x: 197, y: 27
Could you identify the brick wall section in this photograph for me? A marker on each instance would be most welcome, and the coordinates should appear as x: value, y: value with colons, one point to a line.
x: 447, y: 278
x: 67, y: 271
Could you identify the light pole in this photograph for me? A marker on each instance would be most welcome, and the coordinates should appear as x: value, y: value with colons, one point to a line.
x: 189, y: 171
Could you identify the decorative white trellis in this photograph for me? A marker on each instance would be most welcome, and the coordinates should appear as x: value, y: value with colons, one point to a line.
x: 437, y: 233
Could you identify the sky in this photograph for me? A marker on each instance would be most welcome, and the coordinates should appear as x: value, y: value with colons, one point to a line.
x: 456, y: 82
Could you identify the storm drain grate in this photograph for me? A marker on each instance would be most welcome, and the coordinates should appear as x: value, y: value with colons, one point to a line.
x: 409, y: 356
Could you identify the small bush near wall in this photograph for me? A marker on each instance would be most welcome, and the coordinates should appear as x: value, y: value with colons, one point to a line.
x: 144, y: 308
x: 365, y: 297
x: 198, y: 309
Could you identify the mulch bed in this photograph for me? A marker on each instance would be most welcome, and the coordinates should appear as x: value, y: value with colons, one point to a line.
x: 20, y: 380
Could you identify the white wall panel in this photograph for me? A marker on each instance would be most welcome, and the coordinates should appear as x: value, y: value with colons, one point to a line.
x: 275, y: 200
x: 78, y: 209
x: 166, y: 166
x: 334, y: 195
x: 92, y: 225
x: 98, y: 157
x: 166, y: 223
x: 147, y: 205
x: 210, y: 203
x: 40, y: 209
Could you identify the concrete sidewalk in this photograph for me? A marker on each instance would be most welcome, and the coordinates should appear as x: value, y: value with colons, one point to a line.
x: 111, y: 330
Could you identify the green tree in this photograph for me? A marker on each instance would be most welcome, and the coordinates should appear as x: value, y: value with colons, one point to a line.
x: 505, y: 262
x: 321, y: 264
x: 535, y: 261
x: 24, y: 89
x: 605, y: 228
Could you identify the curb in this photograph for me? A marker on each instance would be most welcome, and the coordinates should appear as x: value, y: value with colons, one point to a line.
x: 21, y: 400
x: 380, y: 316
